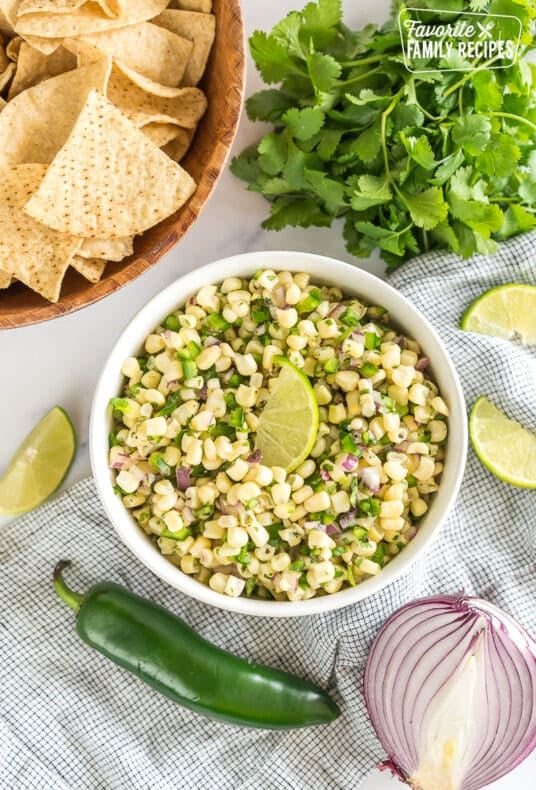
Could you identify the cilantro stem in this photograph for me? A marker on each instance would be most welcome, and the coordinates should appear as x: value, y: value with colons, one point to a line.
x: 518, y: 118
x: 469, y: 75
x: 347, y: 64
x: 385, y: 114
x: 360, y: 77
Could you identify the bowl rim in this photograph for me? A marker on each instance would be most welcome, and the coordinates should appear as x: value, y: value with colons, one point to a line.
x: 185, y: 218
x: 353, y: 281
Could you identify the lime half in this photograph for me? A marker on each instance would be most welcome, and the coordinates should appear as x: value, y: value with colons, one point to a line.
x: 505, y: 448
x: 288, y: 425
x: 508, y: 311
x: 39, y: 465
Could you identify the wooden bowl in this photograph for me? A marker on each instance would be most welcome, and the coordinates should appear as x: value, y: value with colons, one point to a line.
x: 223, y: 83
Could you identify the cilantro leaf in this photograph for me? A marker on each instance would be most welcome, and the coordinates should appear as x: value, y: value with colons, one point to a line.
x: 296, y: 213
x: 304, y: 124
x: 428, y: 208
x: 472, y: 132
x: 324, y: 71
x: 484, y: 218
x: 268, y: 105
x: 271, y: 57
x: 272, y: 154
x: 500, y: 158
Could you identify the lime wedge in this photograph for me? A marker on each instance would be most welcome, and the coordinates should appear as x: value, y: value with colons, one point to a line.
x: 508, y: 311
x: 39, y: 465
x: 288, y: 425
x: 505, y: 448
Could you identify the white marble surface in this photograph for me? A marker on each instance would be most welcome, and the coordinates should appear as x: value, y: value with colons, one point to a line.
x: 59, y: 362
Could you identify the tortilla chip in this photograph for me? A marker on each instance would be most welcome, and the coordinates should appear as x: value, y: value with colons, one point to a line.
x: 3, y: 103
x: 5, y: 279
x: 13, y: 48
x: 183, y: 107
x: 5, y: 27
x: 148, y: 49
x: 89, y: 18
x: 108, y: 180
x: 35, y: 125
x: 203, y: 6
x: 90, y: 268
x: 4, y: 60
x: 108, y: 249
x: 33, y: 67
x: 6, y: 76
x: 177, y: 148
x: 8, y: 12
x: 110, y: 7
x: 160, y: 134
x: 199, y: 28
x: 31, y: 252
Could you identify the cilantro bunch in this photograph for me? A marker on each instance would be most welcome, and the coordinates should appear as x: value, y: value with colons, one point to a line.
x: 411, y: 161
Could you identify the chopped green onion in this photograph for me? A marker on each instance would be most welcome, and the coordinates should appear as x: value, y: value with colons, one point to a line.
x: 182, y: 534
x: 372, y: 341
x: 189, y: 369
x: 112, y: 439
x: 194, y: 349
x: 360, y: 534
x: 260, y: 312
x: 411, y: 481
x: 170, y: 405
x: 368, y: 369
x: 217, y: 322
x: 338, y: 550
x: 173, y: 323
x: 156, y: 460
x: 183, y: 353
x: 230, y: 400
x: 349, y: 318
x: 244, y: 558
x: 204, y: 512
x: 351, y: 577
x: 237, y: 418
x: 348, y: 444
x: 332, y: 365
x: 311, y: 301
x: 250, y: 585
x: 354, y: 491
x: 298, y: 565
x: 379, y: 555
x: 370, y: 507
x: 236, y: 380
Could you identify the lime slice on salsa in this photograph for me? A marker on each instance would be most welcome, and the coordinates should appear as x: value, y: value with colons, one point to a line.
x: 40, y: 464
x: 288, y: 425
x: 504, y: 446
x: 508, y: 311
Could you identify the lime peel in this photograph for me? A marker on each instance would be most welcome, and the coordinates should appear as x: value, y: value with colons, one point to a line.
x: 40, y: 465
x: 504, y: 446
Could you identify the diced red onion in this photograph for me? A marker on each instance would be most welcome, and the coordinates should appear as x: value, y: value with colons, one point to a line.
x: 279, y: 294
x: 349, y: 462
x: 422, y: 363
x: 182, y: 475
x: 336, y: 311
x: 188, y: 516
x: 333, y: 529
x: 349, y: 519
x: 203, y: 392
x: 359, y: 337
x: 452, y: 674
x: 402, y: 447
x: 255, y: 457
x: 400, y: 340
x: 122, y: 460
x: 212, y: 341
x: 324, y: 474
x: 370, y: 475
x: 312, y: 525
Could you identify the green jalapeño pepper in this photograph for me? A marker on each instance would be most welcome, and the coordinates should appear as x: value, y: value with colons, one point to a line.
x: 168, y: 655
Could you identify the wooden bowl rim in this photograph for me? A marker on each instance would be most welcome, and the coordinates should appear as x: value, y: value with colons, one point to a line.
x: 182, y: 221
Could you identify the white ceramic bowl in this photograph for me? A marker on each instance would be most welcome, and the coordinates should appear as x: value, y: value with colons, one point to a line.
x: 353, y: 282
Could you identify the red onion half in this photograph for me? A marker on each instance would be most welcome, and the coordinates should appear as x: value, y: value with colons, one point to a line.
x: 450, y: 687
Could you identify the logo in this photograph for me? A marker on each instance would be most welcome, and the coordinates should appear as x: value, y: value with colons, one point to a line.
x: 442, y: 41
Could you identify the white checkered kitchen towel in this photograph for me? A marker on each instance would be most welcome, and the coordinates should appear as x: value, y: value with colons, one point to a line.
x: 70, y: 719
